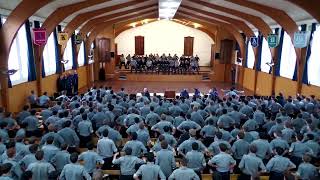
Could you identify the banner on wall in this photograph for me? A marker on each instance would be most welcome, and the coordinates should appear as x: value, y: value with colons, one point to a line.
x: 78, y: 39
x: 300, y: 39
x: 254, y: 41
x: 273, y: 40
x: 62, y: 38
x: 39, y: 36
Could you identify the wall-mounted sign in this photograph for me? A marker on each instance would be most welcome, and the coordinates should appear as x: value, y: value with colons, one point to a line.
x: 39, y: 36
x: 62, y: 38
x: 78, y: 38
x: 273, y: 40
x: 300, y: 39
x: 254, y: 41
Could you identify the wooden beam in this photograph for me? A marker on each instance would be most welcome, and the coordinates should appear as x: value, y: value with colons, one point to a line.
x: 311, y: 6
x: 258, y: 22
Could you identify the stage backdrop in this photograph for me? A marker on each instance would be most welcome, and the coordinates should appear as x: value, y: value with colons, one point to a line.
x: 166, y: 37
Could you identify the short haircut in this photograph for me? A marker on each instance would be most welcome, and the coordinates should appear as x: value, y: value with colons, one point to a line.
x: 33, y: 148
x: 164, y: 144
x: 279, y: 150
x: 5, y: 168
x: 64, y: 146
x: 134, y: 136
x: 253, y: 148
x: 219, y: 135
x: 241, y: 135
x: 90, y: 145
x: 74, y: 157
x: 184, y: 162
x: 128, y: 151
x: 105, y: 133
x: 50, y: 140
x: 223, y: 147
x: 150, y: 157
x: 195, y: 146
x: 39, y: 155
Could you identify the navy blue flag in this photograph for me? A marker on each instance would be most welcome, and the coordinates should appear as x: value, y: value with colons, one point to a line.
x: 254, y: 41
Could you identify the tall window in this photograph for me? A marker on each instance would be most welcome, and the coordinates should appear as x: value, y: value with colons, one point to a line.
x: 49, y: 56
x: 288, y: 58
x: 18, y: 57
x: 81, y: 57
x: 314, y: 59
x: 266, y: 56
x: 68, y: 55
x: 251, y: 56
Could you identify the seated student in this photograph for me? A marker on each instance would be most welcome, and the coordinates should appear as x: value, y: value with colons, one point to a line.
x: 306, y: 170
x: 251, y: 165
x: 90, y: 158
x: 195, y: 159
x: 127, y: 164
x: 183, y: 173
x: 40, y: 169
x: 149, y: 170
x: 278, y: 165
x: 165, y: 159
x: 44, y: 100
x: 74, y: 171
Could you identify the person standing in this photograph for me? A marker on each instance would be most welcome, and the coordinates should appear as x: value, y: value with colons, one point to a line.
x: 183, y: 173
x: 106, y: 148
x: 150, y: 170
x: 74, y: 171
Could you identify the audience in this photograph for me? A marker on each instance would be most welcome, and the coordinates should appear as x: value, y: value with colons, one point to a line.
x: 234, y: 134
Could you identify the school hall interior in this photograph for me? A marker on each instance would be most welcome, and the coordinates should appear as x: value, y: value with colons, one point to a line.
x: 179, y: 89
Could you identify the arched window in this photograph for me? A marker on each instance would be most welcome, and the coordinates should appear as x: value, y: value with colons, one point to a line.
x: 81, y: 55
x: 68, y: 55
x: 266, y: 56
x: 49, y: 56
x: 288, y: 58
x: 314, y: 59
x: 250, y: 56
x: 18, y: 57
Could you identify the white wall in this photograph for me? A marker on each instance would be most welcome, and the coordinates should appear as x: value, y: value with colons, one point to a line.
x: 166, y: 37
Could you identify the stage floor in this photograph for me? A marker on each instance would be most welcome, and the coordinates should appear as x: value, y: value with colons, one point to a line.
x: 133, y: 87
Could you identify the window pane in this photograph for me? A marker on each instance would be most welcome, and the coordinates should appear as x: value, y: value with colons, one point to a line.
x: 251, y: 56
x: 288, y: 58
x: 266, y: 56
x: 18, y: 57
x: 49, y: 56
x: 81, y: 57
x: 314, y: 59
x: 68, y: 55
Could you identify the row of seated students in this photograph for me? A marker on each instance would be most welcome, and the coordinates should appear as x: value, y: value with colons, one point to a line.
x: 221, y: 136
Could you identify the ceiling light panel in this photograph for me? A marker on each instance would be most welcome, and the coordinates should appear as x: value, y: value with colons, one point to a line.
x: 168, y: 8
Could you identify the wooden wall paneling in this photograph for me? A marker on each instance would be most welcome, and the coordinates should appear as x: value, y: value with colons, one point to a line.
x: 8, y: 32
x: 226, y: 57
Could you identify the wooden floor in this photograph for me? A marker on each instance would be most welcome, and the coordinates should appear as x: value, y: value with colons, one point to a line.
x: 160, y: 87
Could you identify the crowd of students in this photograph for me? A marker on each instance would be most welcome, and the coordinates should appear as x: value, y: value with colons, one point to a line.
x: 164, y: 63
x: 205, y: 134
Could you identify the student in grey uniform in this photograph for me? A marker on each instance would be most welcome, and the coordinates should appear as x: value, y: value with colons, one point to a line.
x: 240, y: 147
x: 251, y: 165
x: 165, y: 159
x: 152, y: 118
x: 49, y: 149
x: 136, y: 146
x: 150, y: 170
x: 74, y: 171
x: 183, y: 173
x: 5, y: 171
x: 61, y: 158
x: 195, y: 159
x: 40, y: 169
x: 127, y: 164
x: 278, y: 165
x: 160, y: 125
x: 29, y: 158
x: 32, y: 124
x: 186, y: 146
x: 306, y: 170
x: 85, y: 130
x: 214, y: 146
x: 69, y: 136
x: 188, y: 124
x: 91, y: 159
x: 143, y: 134
x: 106, y: 148
x: 298, y: 149
x: 279, y: 142
x: 263, y: 147
x: 223, y: 163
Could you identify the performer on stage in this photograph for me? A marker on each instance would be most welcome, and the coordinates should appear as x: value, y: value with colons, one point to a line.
x: 122, y: 61
x: 184, y: 93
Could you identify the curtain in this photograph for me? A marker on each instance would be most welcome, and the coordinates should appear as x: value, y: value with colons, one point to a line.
x: 295, y: 75
x: 260, y: 41
x: 85, y: 53
x: 43, y: 74
x: 57, y: 49
x: 277, y: 65
x: 305, y: 72
x: 31, y: 69
x: 74, y: 58
x: 246, y: 57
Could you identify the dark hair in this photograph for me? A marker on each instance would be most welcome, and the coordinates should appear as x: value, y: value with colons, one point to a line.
x: 279, y: 150
x: 64, y: 146
x: 84, y: 116
x: 134, y: 136
x: 253, y: 148
x: 195, y: 146
x: 90, y: 145
x: 105, y: 133
x: 219, y: 135
x: 33, y: 148
x: 5, y: 168
x: 164, y: 144
x: 74, y: 157
x: 39, y: 155
x: 50, y: 140
x: 223, y: 147
x: 241, y: 135
x: 128, y: 151
x: 166, y: 129
x: 150, y: 157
